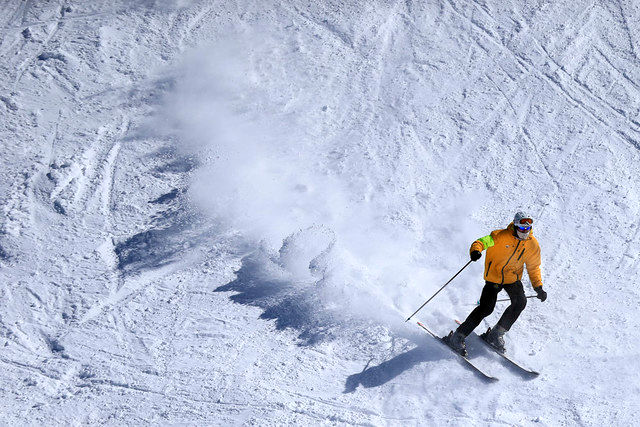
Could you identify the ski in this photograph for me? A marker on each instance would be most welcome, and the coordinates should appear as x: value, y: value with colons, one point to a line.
x: 527, y: 371
x: 483, y: 374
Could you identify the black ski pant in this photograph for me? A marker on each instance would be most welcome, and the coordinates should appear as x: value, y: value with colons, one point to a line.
x: 488, y: 303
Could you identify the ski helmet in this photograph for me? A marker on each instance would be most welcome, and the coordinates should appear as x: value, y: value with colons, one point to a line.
x: 523, y: 224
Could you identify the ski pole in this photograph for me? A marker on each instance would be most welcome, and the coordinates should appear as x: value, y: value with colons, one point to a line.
x: 507, y: 299
x: 454, y: 276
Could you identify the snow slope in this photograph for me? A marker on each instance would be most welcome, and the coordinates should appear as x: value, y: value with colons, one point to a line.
x: 222, y: 212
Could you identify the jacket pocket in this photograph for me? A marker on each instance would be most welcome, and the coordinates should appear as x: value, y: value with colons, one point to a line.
x: 486, y: 274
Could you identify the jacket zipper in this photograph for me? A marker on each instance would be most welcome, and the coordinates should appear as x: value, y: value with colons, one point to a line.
x: 488, y: 267
x: 507, y: 263
x: 520, y: 256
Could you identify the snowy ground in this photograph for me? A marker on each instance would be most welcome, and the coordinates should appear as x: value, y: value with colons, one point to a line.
x: 222, y: 212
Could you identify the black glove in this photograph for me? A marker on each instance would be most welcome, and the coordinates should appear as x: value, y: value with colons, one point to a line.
x: 542, y: 295
x: 475, y: 255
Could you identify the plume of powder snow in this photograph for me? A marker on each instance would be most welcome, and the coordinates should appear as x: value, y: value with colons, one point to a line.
x: 265, y: 174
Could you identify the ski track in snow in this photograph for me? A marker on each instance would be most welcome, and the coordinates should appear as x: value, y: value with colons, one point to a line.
x: 124, y: 301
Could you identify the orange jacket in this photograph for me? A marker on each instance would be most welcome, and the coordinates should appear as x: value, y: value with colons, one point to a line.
x: 507, y: 255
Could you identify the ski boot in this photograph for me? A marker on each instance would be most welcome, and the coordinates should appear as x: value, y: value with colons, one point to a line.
x: 455, y: 340
x: 495, y: 337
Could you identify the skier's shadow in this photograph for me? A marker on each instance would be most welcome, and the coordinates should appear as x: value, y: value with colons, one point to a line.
x: 386, y: 371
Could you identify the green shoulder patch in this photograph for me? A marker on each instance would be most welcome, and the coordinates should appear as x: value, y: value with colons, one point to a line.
x: 487, y: 241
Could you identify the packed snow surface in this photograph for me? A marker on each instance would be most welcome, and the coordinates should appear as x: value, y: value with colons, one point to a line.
x: 223, y: 212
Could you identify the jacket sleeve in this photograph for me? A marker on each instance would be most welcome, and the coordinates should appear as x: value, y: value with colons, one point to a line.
x: 483, y: 243
x: 533, y: 263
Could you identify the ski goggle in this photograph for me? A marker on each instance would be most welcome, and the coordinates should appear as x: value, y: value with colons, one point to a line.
x: 523, y: 228
x: 526, y: 221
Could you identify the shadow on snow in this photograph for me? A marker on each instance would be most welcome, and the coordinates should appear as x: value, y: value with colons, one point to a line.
x: 174, y: 230
x: 386, y: 371
x: 260, y: 283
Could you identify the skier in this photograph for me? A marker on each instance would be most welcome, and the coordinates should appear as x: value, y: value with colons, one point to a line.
x: 508, y: 250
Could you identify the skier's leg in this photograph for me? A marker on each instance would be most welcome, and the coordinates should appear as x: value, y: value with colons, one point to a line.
x: 518, y: 303
x: 487, y: 304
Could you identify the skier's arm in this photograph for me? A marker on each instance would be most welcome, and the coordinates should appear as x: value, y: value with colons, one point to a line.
x: 483, y: 243
x: 533, y: 268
